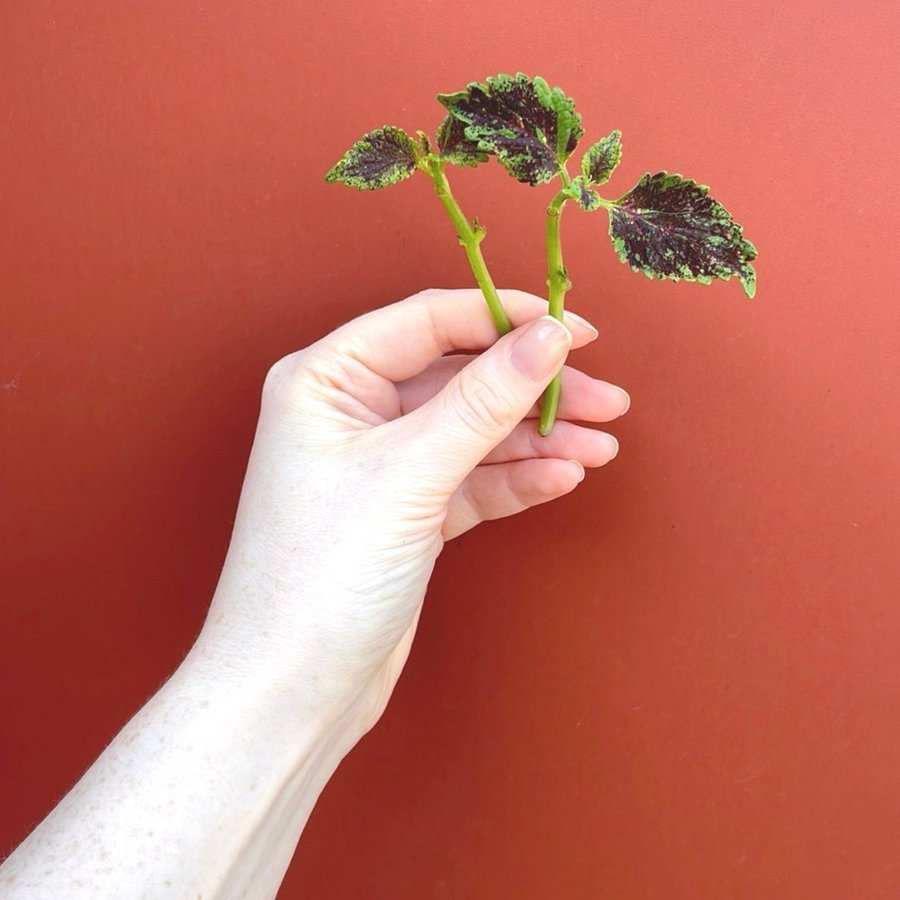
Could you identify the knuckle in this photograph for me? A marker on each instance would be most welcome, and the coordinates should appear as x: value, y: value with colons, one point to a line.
x: 280, y: 372
x: 517, y: 294
x: 483, y: 405
x: 426, y: 294
x: 284, y: 375
x: 524, y: 298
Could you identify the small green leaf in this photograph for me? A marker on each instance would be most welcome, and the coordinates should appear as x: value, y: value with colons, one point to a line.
x: 600, y: 160
x: 531, y: 128
x: 378, y: 159
x: 583, y: 194
x: 669, y: 227
x: 455, y: 147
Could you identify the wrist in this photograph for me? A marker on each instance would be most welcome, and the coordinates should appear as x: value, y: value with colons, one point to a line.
x: 280, y: 696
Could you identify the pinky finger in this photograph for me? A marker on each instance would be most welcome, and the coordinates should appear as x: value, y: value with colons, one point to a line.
x: 493, y: 492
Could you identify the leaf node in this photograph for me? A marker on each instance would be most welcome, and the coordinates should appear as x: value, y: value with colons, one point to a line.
x: 583, y: 194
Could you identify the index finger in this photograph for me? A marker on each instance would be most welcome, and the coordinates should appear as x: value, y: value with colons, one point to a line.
x: 400, y: 340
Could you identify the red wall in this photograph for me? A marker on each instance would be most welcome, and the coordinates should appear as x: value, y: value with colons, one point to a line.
x: 681, y: 682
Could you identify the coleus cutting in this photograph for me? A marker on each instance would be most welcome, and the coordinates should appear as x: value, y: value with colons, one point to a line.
x: 666, y: 226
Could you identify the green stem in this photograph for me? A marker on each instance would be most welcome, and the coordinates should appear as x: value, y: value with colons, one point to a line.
x: 470, y: 237
x: 558, y: 284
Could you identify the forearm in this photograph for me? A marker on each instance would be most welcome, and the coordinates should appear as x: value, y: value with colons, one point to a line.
x: 370, y: 453
x: 203, y: 793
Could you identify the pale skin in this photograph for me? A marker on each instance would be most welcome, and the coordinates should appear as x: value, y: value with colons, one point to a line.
x: 372, y: 449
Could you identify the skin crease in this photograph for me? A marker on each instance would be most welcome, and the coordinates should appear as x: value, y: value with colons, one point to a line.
x: 372, y: 449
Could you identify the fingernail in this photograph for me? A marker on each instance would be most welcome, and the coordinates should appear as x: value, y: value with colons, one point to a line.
x: 627, y: 399
x: 613, y: 446
x: 575, y: 319
x: 579, y: 467
x: 540, y: 349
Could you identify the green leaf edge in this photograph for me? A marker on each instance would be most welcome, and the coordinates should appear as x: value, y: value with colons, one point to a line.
x: 748, y: 279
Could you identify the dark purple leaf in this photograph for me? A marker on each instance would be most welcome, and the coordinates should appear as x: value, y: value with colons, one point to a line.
x: 531, y: 128
x: 378, y: 159
x: 669, y: 227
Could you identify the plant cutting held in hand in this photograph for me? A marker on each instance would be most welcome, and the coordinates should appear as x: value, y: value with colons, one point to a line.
x: 666, y: 226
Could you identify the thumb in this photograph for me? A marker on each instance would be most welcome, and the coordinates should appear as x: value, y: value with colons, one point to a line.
x: 483, y: 402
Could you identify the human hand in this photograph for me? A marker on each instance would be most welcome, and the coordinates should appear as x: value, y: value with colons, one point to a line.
x: 372, y: 449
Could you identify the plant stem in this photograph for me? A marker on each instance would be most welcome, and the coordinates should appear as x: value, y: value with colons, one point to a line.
x: 470, y: 237
x: 558, y: 284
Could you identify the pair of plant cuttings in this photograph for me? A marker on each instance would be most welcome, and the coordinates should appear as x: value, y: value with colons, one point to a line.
x: 666, y: 226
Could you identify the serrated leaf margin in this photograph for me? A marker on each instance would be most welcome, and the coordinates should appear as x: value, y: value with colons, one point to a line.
x: 748, y: 252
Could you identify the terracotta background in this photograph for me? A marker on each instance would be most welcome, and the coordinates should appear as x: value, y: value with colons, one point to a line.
x: 682, y: 682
